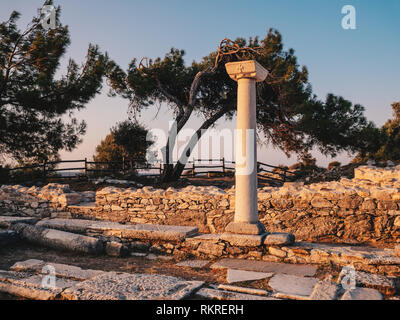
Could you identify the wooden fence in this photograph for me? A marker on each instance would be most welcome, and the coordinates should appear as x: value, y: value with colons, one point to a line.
x: 194, y: 168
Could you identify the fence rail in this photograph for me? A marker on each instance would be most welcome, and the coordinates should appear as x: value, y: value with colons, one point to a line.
x: 193, y: 168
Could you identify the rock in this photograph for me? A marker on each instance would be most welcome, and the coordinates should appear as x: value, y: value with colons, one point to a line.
x: 28, y: 265
x: 61, y: 214
x: 277, y: 252
x: 362, y: 294
x: 210, y: 248
x: 152, y: 256
x: 292, y: 287
x: 279, y: 238
x: 326, y: 290
x: 265, y: 266
x: 67, y: 199
x: 59, y: 239
x: 7, y: 222
x: 396, y: 222
x: 212, y: 294
x: 139, y: 246
x: 61, y: 270
x: 7, y: 237
x: 387, y: 285
x: 320, y: 203
x: 138, y: 254
x: 193, y: 263
x: 243, y: 240
x: 115, y: 249
x: 30, y: 287
x: 242, y: 275
x: 397, y: 250
x: 124, y: 286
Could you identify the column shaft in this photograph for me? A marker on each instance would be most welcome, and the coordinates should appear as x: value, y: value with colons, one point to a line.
x: 246, y: 174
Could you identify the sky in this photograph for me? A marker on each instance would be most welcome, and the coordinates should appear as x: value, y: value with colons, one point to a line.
x: 361, y: 64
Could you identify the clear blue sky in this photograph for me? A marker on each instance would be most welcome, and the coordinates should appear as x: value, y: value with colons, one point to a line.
x: 362, y: 65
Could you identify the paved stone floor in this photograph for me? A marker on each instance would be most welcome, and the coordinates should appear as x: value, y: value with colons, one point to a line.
x: 137, y: 277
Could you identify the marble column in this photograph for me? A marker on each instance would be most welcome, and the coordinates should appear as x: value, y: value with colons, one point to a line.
x: 246, y: 73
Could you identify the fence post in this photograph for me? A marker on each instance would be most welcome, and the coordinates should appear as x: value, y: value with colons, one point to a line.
x: 223, y: 165
x: 160, y: 169
x: 194, y: 168
x: 86, y: 167
x: 123, y: 165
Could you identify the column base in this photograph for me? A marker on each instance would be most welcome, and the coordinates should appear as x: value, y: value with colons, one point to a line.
x: 256, y: 228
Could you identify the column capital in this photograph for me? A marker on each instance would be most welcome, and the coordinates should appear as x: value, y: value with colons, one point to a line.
x: 249, y: 69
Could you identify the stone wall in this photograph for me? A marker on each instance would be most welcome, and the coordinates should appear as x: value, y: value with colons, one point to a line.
x: 365, y: 208
x: 39, y: 202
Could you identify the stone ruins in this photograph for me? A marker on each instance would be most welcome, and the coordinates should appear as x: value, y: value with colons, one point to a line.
x: 307, y: 242
x: 309, y: 227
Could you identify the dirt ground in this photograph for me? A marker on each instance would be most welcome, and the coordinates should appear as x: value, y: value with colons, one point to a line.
x: 22, y: 251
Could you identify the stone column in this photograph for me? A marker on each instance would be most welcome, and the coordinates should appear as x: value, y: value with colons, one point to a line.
x: 246, y: 73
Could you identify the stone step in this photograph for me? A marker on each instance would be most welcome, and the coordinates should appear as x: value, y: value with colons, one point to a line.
x: 123, y: 231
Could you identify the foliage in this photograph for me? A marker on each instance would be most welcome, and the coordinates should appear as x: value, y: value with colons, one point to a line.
x: 126, y: 141
x: 36, y: 109
x: 288, y: 115
x: 385, y: 141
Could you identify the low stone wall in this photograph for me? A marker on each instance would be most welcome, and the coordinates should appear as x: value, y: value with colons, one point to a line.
x: 39, y: 202
x: 365, y: 208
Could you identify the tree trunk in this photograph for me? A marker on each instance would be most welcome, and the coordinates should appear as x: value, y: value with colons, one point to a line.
x: 174, y: 173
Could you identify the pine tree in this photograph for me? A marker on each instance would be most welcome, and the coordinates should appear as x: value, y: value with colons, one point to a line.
x: 36, y: 108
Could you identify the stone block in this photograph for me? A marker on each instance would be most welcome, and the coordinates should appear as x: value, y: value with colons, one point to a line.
x: 362, y: 294
x: 397, y: 250
x: 279, y: 238
x: 245, y: 228
x: 265, y: 266
x: 326, y: 290
x: 243, y: 240
x: 292, y: 287
x: 242, y: 275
